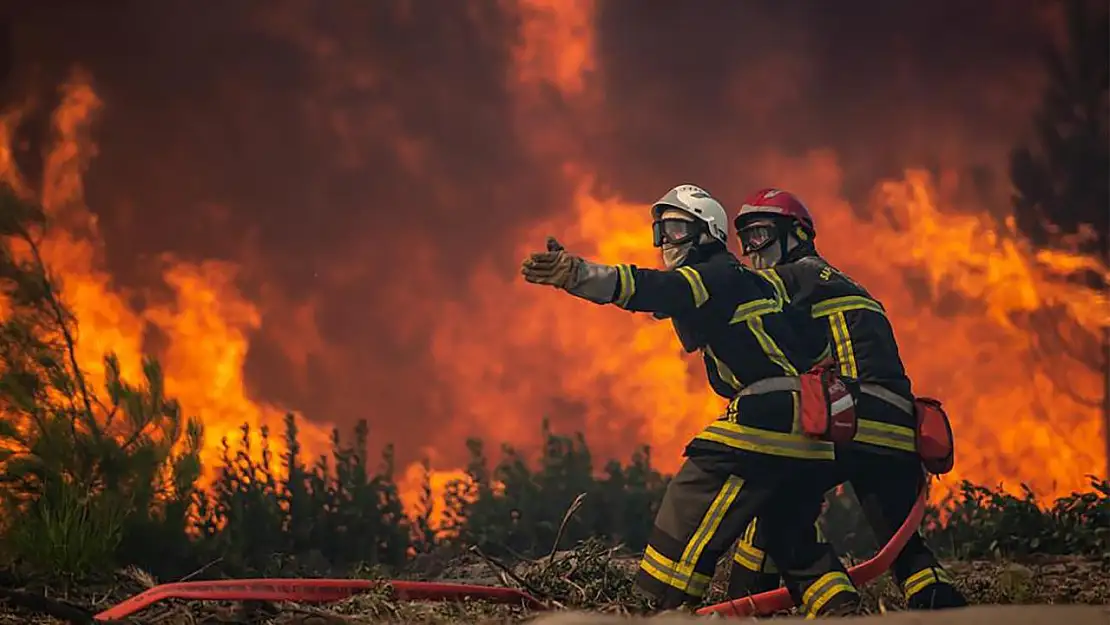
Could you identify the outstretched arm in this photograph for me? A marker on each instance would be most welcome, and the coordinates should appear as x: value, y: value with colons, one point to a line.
x: 666, y: 293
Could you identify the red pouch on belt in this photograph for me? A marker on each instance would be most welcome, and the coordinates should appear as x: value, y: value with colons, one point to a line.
x: 828, y: 406
x: 935, y: 443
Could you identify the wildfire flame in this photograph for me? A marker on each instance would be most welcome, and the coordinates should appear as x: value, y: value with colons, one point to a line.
x: 972, y: 302
x: 206, y: 322
x: 966, y: 294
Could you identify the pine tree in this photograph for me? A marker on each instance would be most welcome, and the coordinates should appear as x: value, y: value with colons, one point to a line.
x: 82, y: 473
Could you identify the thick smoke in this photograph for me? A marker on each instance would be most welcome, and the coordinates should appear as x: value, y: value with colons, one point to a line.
x: 359, y: 160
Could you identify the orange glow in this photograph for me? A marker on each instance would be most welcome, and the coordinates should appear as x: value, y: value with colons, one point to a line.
x: 627, y: 371
x: 967, y: 322
x: 206, y: 321
x: 411, y: 485
x: 975, y: 307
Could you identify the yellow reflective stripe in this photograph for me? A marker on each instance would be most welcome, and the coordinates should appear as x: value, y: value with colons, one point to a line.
x: 886, y: 435
x: 775, y: 279
x: 732, y: 413
x: 753, y: 558
x: 842, y: 339
x: 754, y: 308
x: 626, y: 285
x: 750, y: 549
x: 836, y: 305
x: 923, y: 579
x: 711, y: 521
x: 672, y: 574
x: 751, y: 312
x: 697, y: 287
x: 759, y: 441
x: 820, y: 533
x: 749, y: 533
x: 745, y: 557
x: 681, y: 574
x: 722, y: 369
x: 796, y: 405
x: 834, y: 309
x: 653, y: 563
x: 774, y: 353
x: 824, y: 589
x: 748, y: 543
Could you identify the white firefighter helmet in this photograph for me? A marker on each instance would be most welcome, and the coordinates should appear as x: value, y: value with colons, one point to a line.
x: 698, y: 204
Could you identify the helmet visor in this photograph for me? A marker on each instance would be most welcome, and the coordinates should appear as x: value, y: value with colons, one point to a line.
x: 756, y: 236
x: 673, y: 231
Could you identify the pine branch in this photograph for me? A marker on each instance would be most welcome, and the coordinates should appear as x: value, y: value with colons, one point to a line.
x: 52, y: 298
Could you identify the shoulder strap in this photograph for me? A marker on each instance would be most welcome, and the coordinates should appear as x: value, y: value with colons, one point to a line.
x: 813, y: 261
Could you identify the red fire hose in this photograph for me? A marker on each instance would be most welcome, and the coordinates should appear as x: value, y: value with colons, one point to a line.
x: 779, y: 600
x: 325, y: 590
x: 312, y: 591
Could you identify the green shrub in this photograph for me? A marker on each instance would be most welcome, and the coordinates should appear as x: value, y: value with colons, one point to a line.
x: 81, y: 469
x: 93, y: 479
x: 980, y: 522
x: 517, y: 510
x: 337, y: 515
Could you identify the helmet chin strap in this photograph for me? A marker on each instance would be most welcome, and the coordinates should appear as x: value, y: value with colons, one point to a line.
x: 773, y: 254
x: 767, y: 257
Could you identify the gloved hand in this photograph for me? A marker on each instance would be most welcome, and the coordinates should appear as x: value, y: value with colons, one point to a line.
x: 556, y: 266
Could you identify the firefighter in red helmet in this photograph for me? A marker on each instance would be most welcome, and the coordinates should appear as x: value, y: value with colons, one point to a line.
x: 883, y: 462
x: 775, y: 223
x: 750, y: 462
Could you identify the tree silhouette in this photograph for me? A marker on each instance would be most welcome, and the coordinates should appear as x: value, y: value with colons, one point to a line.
x: 1061, y: 178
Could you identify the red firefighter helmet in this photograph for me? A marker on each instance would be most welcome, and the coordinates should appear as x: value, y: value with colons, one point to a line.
x: 776, y: 203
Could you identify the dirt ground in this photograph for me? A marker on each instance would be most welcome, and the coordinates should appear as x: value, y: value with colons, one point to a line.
x: 591, y: 588
x: 976, y: 615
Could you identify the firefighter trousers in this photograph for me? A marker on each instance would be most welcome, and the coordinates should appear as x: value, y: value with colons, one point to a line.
x: 887, y: 487
x: 704, y: 512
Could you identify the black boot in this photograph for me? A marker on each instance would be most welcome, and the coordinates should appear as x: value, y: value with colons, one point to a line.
x: 743, y: 582
x: 842, y: 604
x: 939, y: 596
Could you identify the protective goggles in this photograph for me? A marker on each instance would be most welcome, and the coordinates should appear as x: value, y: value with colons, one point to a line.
x: 756, y: 236
x: 674, y: 231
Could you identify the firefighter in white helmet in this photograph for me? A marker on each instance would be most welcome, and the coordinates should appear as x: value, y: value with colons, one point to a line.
x: 752, y: 460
